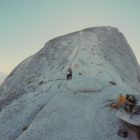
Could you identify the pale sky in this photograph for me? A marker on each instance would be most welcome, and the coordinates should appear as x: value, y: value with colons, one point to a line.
x: 26, y: 25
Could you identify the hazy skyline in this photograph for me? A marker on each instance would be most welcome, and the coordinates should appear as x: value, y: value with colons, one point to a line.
x: 26, y: 25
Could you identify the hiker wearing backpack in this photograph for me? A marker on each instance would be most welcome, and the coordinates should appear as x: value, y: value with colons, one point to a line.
x: 69, y: 73
x: 130, y: 103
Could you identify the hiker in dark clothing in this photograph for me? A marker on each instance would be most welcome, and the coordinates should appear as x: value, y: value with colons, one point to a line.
x: 131, y: 102
x: 69, y: 73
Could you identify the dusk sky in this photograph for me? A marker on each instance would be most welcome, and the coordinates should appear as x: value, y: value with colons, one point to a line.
x: 26, y: 25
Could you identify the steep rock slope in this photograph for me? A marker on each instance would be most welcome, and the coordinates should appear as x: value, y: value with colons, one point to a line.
x: 37, y: 102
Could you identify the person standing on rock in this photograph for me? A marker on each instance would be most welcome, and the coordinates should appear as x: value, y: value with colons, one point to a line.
x: 69, y: 73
